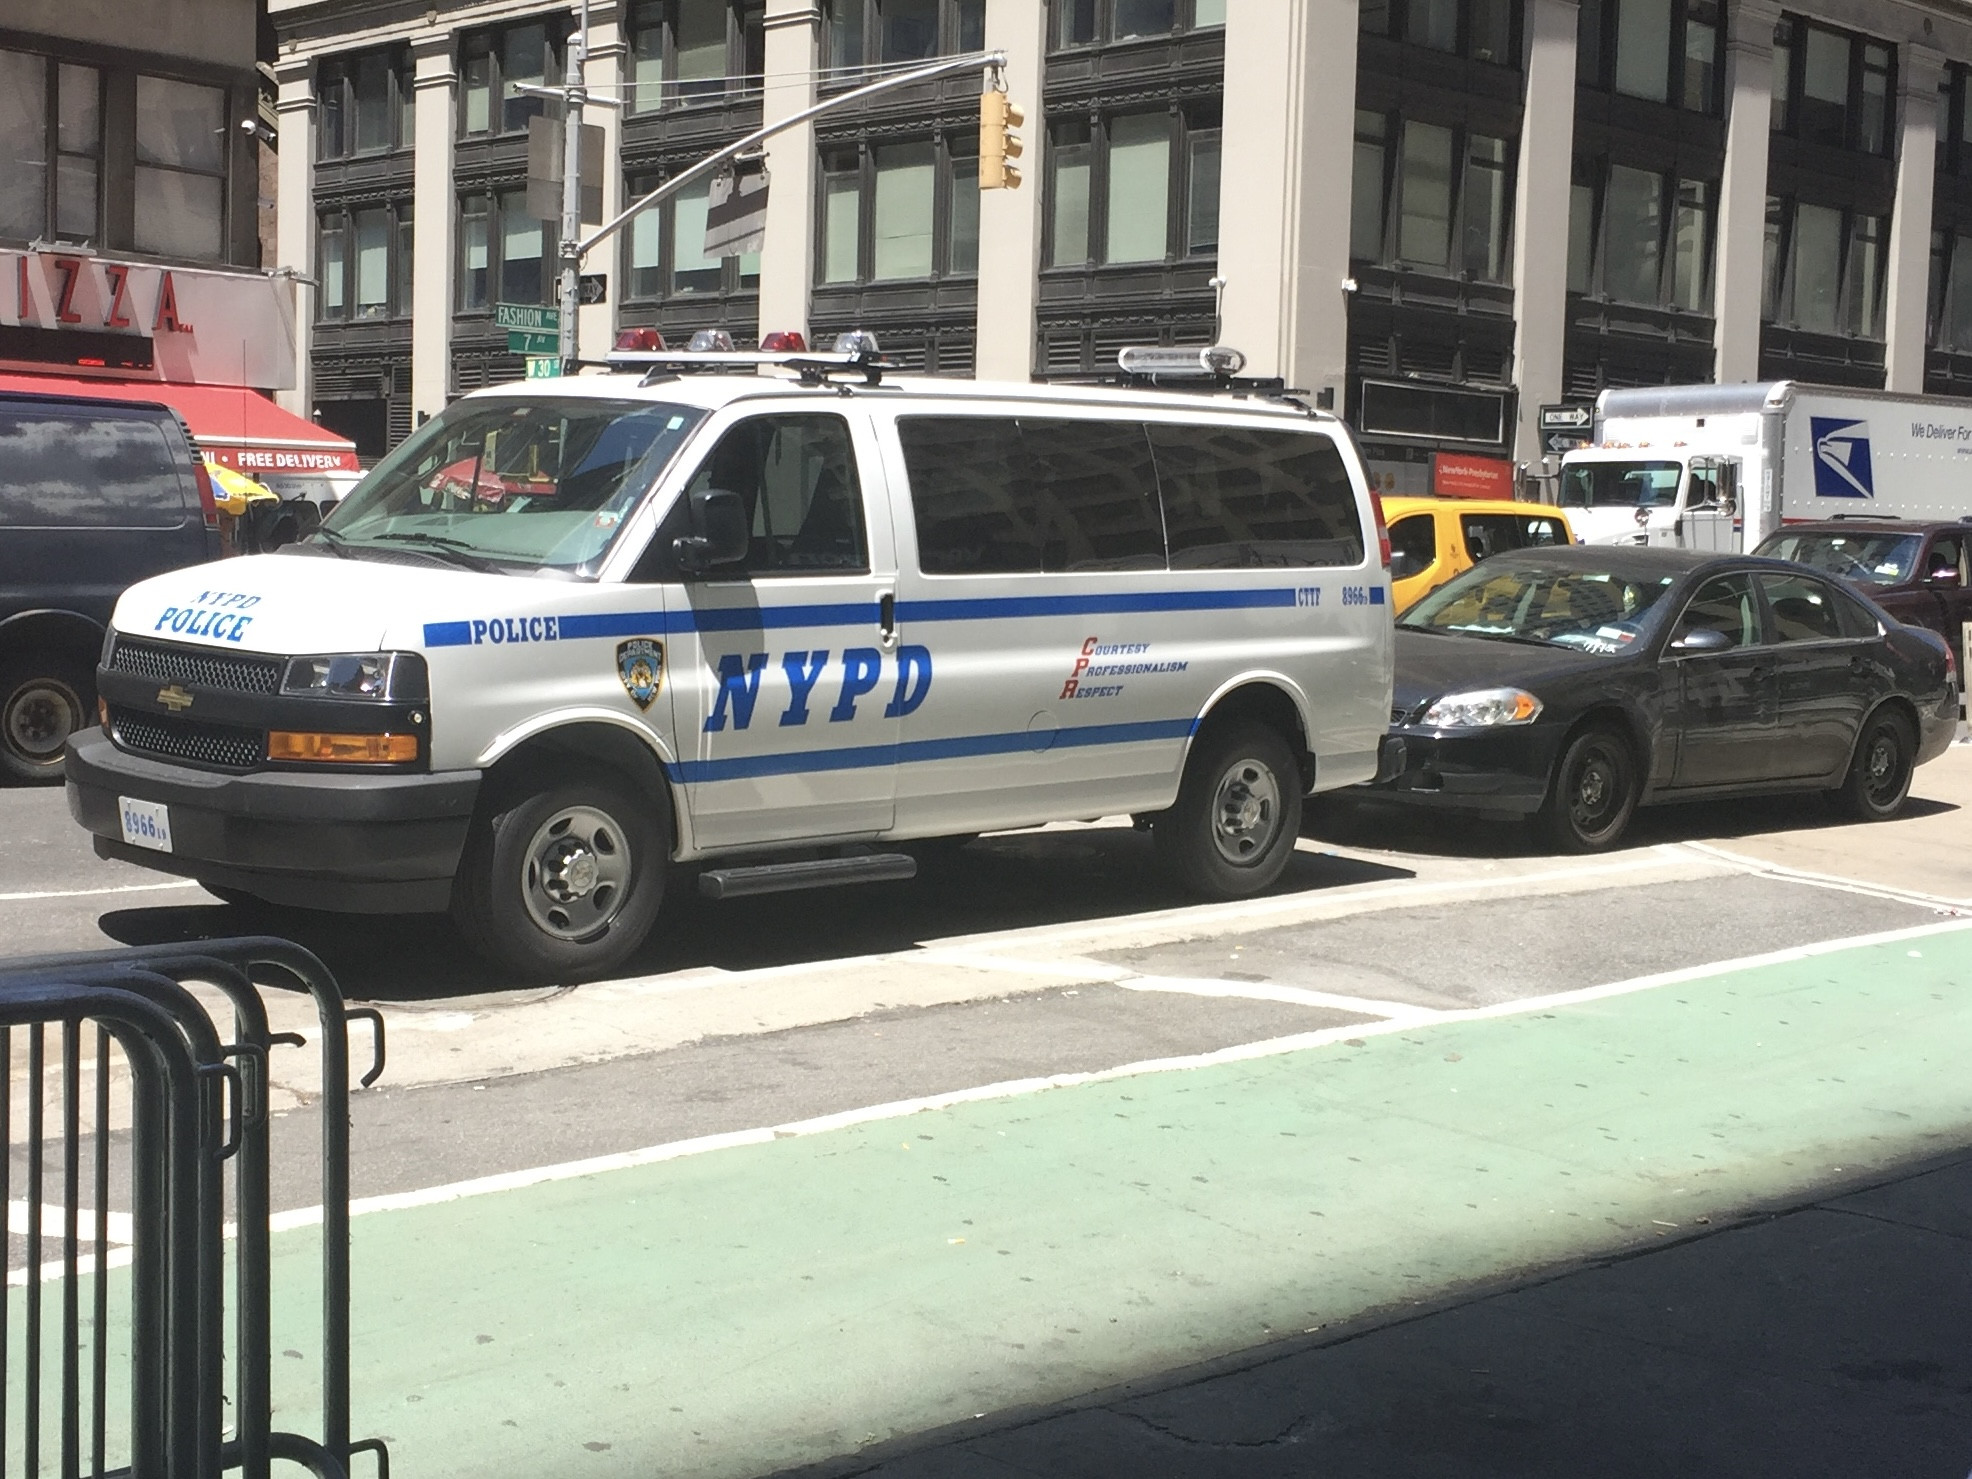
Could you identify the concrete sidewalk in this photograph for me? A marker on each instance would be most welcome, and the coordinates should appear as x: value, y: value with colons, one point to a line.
x: 802, y: 1293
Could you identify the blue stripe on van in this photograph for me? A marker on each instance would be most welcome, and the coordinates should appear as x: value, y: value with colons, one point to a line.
x: 864, y: 757
x: 448, y: 634
x: 983, y: 608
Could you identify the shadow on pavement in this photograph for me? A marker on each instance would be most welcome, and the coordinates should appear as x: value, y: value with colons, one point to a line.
x: 1018, y: 880
x: 1819, y: 1340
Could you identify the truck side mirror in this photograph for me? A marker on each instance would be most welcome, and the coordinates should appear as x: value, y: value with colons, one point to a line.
x: 720, y: 533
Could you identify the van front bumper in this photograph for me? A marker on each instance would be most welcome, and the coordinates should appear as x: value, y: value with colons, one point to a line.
x: 373, y: 844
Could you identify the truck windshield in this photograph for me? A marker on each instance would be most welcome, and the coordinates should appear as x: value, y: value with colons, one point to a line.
x: 1620, y: 484
x: 1877, y: 559
x: 542, y: 484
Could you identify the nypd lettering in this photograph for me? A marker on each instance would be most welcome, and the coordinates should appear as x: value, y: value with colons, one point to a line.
x: 857, y: 673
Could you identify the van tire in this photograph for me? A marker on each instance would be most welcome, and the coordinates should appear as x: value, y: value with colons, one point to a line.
x: 562, y: 882
x: 1238, y: 813
x: 43, y: 700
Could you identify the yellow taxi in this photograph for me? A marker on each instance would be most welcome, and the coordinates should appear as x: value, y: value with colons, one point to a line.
x: 1433, y: 539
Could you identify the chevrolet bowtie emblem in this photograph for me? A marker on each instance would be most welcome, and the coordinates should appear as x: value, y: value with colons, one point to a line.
x: 174, y: 698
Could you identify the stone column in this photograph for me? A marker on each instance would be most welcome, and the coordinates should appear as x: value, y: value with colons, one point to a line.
x: 294, y: 218
x: 1541, y: 195
x: 1907, y: 298
x: 595, y: 328
x: 1010, y: 220
x: 1289, y: 148
x: 434, y: 215
x: 1739, y: 272
x: 787, y: 257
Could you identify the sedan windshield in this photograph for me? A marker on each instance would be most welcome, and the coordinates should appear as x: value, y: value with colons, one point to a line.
x: 544, y: 484
x: 1588, y: 610
x: 1620, y: 484
x: 1876, y: 559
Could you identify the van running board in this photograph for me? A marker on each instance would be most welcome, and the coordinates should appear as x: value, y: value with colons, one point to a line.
x: 773, y: 878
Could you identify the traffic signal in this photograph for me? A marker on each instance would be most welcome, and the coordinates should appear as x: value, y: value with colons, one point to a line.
x: 998, y: 142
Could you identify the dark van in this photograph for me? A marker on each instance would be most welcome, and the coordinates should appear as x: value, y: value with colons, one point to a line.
x: 94, y: 495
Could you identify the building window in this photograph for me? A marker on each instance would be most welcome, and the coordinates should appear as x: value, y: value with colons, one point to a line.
x: 181, y: 169
x: 1833, y: 88
x: 1663, y: 51
x: 1092, y: 22
x: 505, y: 255
x: 1480, y: 29
x: 51, y: 135
x: 684, y: 51
x: 1825, y: 269
x: 1638, y: 236
x: 895, y: 212
x: 667, y: 249
x: 495, y: 65
x: 363, y: 263
x: 1436, y: 201
x: 875, y: 32
x: 1133, y: 188
x: 1951, y: 290
x: 364, y: 105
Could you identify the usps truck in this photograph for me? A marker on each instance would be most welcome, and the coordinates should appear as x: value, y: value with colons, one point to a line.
x: 1720, y: 467
x: 759, y: 619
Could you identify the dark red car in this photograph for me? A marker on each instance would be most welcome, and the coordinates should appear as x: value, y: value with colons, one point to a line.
x: 1918, y: 571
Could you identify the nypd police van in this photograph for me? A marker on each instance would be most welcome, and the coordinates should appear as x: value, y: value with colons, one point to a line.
x: 577, y: 636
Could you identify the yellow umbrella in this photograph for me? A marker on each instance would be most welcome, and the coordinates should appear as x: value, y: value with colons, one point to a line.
x: 233, y: 491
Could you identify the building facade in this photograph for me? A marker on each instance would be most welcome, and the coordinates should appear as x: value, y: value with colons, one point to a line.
x: 1436, y: 216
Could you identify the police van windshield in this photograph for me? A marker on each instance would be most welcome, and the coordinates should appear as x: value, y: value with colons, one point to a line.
x: 545, y: 484
x: 1620, y: 484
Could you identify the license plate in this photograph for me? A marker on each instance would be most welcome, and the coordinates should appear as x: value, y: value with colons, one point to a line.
x: 145, y: 823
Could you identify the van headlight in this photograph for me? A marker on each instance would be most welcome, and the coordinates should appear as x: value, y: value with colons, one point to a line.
x: 357, y: 675
x: 1483, y: 708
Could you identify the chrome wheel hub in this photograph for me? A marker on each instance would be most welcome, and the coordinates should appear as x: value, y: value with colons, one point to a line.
x: 1245, y: 811
x: 577, y: 873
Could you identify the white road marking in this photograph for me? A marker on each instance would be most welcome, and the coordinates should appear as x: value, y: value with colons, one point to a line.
x: 1017, y: 1088
x: 1362, y: 1006
x: 1831, y: 880
x: 90, y: 893
x: 51, y: 1222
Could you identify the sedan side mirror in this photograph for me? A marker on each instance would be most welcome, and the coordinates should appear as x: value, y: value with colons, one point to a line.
x: 1701, y: 640
x: 720, y: 531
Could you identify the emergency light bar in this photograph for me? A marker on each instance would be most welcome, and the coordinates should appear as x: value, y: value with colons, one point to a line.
x: 1211, y: 362
x: 711, y: 349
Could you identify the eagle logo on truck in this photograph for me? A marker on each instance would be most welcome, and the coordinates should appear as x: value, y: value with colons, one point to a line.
x: 640, y: 664
x: 1842, y: 467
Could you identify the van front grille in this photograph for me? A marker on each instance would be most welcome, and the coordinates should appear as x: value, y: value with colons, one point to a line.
x: 171, y: 662
x: 228, y: 745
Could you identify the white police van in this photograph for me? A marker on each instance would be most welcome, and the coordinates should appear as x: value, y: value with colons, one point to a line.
x: 765, y: 622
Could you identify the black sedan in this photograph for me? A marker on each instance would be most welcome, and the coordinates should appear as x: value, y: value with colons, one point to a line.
x: 1574, y: 684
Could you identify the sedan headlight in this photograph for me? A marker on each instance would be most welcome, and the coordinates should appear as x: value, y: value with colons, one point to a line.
x: 1484, y: 708
x: 357, y: 675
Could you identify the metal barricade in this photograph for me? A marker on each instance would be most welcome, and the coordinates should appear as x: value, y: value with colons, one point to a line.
x: 193, y: 1106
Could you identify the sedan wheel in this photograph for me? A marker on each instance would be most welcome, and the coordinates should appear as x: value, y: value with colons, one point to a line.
x: 1879, y: 777
x: 1594, y: 793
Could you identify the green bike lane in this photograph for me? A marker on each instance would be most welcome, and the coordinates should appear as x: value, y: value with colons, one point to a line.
x: 768, y: 1300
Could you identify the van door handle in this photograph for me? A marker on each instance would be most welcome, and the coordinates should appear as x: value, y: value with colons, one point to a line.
x: 886, y: 618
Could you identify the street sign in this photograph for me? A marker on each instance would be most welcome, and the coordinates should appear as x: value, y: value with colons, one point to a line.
x: 528, y: 317
x: 736, y: 213
x: 519, y: 343
x: 544, y: 170
x: 1565, y: 427
x: 594, y: 288
x: 543, y: 366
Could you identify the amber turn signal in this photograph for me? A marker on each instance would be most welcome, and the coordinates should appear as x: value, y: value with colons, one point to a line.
x: 342, y: 749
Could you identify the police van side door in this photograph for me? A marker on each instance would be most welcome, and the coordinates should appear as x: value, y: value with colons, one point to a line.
x: 786, y: 662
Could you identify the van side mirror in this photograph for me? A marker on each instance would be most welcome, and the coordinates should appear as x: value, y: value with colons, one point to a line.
x: 1701, y: 640
x: 720, y: 533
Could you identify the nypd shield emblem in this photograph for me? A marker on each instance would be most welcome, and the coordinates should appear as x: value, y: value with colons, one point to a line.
x: 640, y: 664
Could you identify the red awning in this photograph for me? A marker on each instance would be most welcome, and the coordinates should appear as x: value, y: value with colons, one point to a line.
x: 235, y: 426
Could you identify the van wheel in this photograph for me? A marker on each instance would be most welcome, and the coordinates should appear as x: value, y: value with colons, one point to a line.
x: 1878, y: 782
x: 42, y: 702
x: 562, y: 883
x: 1593, y: 794
x: 1238, y: 812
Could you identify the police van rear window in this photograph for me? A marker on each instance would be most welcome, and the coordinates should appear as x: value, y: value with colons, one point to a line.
x: 1005, y: 495
x: 546, y: 484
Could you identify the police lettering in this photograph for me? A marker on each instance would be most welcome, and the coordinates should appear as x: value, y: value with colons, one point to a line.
x: 504, y: 629
x: 859, y: 673
x: 205, y: 621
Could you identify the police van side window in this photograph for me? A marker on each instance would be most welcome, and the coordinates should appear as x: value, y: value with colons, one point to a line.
x: 112, y: 472
x: 1096, y: 488
x: 797, y: 478
x: 1249, y: 496
x: 971, y: 496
